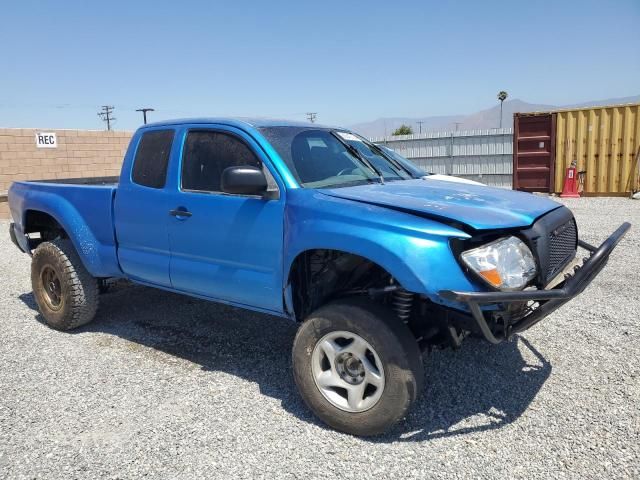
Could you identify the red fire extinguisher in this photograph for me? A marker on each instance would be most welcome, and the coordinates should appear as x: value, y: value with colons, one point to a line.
x: 570, y: 189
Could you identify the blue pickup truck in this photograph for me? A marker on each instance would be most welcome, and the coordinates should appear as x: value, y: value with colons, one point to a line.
x: 376, y: 263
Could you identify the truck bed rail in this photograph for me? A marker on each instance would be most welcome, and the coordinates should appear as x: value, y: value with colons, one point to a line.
x: 80, y: 181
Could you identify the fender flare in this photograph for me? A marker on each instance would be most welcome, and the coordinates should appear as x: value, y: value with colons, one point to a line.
x: 95, y: 256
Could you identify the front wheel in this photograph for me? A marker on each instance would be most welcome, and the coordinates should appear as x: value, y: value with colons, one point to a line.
x: 357, y: 366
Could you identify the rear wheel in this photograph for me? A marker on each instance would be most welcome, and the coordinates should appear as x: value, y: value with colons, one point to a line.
x: 357, y: 366
x: 66, y: 293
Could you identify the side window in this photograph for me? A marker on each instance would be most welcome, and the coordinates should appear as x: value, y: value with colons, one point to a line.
x: 152, y: 158
x: 206, y: 154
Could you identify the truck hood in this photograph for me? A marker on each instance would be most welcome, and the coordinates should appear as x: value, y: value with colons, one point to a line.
x: 477, y: 206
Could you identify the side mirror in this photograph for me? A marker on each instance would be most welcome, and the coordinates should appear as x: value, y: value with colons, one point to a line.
x: 243, y: 180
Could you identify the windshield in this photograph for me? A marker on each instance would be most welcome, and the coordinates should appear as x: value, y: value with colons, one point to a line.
x: 323, y: 158
x: 405, y: 162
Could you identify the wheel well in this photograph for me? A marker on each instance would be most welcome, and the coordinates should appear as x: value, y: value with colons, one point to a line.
x: 321, y: 275
x: 44, y: 224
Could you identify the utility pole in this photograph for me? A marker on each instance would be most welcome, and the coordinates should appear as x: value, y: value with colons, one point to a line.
x: 457, y: 125
x: 420, y: 126
x: 105, y: 115
x: 311, y: 116
x: 144, y: 113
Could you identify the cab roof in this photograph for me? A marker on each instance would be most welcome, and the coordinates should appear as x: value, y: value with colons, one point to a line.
x: 239, y: 122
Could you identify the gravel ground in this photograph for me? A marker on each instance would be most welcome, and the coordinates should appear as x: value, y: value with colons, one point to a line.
x: 165, y: 386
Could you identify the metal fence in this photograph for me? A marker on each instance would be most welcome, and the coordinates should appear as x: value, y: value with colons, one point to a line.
x: 482, y: 155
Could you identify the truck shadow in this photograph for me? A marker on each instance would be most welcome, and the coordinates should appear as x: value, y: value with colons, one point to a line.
x: 479, y: 387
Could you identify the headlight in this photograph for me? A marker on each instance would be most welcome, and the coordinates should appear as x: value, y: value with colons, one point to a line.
x: 506, y: 264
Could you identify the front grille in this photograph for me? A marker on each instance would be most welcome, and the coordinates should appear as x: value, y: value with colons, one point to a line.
x: 562, y: 247
x: 554, y: 240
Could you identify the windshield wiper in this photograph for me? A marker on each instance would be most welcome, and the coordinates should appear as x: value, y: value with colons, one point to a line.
x: 384, y: 155
x: 356, y: 153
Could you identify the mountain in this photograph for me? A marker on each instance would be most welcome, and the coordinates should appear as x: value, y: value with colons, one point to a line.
x: 385, y: 126
x: 490, y: 118
x: 607, y: 101
x: 484, y: 119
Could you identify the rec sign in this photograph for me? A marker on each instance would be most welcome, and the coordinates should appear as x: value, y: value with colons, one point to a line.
x: 46, y: 140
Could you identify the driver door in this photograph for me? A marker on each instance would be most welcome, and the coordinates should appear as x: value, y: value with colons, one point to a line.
x: 226, y: 247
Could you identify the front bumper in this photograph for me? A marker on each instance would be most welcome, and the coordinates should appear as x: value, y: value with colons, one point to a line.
x: 539, y: 303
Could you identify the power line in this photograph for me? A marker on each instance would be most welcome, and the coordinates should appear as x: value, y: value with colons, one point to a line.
x: 311, y: 116
x: 105, y: 115
x: 144, y: 113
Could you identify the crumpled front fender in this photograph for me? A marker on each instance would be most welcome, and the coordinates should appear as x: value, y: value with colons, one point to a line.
x: 414, y: 250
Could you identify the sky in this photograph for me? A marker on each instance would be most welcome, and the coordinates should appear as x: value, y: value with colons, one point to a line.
x: 348, y: 61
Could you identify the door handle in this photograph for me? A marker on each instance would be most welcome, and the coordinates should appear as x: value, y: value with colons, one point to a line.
x: 180, y: 212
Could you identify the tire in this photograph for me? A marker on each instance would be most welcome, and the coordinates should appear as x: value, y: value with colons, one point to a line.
x: 388, y: 345
x: 66, y: 293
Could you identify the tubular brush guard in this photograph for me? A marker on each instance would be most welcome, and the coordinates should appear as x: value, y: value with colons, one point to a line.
x: 548, y: 300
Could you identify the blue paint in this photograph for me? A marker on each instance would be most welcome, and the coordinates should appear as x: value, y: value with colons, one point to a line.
x: 239, y: 249
x: 141, y: 224
x: 414, y: 250
x: 477, y: 206
x: 85, y: 211
x: 231, y: 247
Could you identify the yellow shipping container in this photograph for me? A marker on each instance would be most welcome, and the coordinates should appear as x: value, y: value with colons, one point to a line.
x: 605, y: 142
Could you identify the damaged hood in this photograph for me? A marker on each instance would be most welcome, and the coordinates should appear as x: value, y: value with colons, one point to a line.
x: 476, y: 206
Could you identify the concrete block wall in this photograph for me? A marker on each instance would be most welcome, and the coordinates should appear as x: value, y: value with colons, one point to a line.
x: 79, y: 153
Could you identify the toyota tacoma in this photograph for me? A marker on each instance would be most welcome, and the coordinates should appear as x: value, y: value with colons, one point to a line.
x: 318, y: 225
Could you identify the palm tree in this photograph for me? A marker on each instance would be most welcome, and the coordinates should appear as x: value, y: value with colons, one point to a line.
x: 502, y: 96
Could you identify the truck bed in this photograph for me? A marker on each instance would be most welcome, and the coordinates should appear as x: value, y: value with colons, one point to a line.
x: 82, y: 206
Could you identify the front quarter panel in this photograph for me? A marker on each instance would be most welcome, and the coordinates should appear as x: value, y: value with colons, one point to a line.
x: 414, y: 250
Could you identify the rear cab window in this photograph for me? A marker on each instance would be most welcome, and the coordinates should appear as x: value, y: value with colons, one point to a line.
x: 152, y: 158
